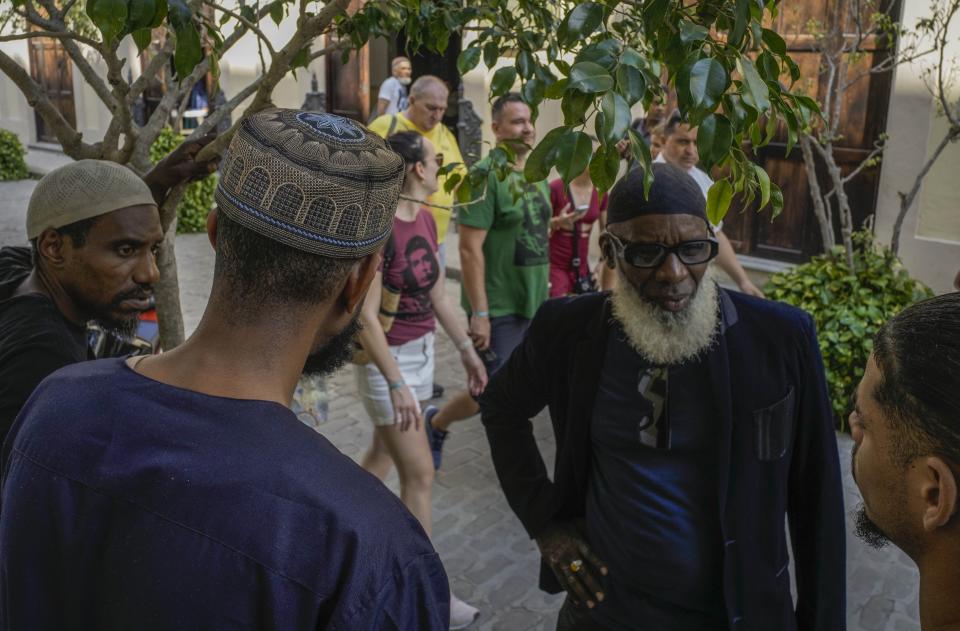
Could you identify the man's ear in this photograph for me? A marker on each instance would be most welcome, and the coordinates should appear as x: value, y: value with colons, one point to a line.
x: 50, y: 247
x: 212, y: 219
x: 939, y: 492
x: 606, y: 248
x: 359, y: 279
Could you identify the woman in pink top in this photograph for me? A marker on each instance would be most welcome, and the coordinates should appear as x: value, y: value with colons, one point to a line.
x: 395, y: 386
x: 575, y: 209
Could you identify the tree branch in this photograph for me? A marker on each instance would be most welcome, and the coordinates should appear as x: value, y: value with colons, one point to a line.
x: 54, y: 34
x: 247, y: 23
x: 153, y: 68
x: 70, y: 139
x: 221, y: 112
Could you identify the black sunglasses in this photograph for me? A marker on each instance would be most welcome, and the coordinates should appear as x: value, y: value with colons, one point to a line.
x: 652, y: 255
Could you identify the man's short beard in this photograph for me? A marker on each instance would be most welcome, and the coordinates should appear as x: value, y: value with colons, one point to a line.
x: 867, y: 530
x: 335, y: 353
x: 663, y: 337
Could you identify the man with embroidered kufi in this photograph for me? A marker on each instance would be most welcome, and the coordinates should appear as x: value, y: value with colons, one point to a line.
x: 185, y: 493
x: 690, y: 422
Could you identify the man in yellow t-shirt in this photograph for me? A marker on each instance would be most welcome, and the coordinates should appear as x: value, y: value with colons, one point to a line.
x: 426, y: 104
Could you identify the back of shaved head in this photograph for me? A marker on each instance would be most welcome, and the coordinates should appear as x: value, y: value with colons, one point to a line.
x: 429, y: 84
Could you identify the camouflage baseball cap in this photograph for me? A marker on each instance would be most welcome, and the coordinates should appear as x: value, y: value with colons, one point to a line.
x: 317, y: 182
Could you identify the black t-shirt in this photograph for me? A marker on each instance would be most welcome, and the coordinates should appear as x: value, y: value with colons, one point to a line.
x: 35, y: 339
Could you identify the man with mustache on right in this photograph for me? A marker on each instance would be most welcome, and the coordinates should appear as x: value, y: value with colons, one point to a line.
x: 690, y: 423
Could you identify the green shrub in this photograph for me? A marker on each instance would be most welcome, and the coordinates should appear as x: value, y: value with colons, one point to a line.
x: 198, y: 198
x: 12, y: 164
x: 849, y: 307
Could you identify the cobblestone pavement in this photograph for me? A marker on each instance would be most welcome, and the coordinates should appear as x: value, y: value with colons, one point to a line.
x: 491, y: 562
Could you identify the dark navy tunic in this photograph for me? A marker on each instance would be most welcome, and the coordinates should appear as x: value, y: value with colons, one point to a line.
x: 131, y: 504
x: 652, y: 507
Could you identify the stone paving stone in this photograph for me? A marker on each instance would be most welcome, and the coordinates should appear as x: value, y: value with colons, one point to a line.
x: 491, y: 569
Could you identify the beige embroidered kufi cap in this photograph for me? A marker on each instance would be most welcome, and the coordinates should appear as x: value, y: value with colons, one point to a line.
x: 82, y: 190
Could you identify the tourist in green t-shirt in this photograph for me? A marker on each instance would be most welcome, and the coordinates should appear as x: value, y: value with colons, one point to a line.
x: 504, y: 260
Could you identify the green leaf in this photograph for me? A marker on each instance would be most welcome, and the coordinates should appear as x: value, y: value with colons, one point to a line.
x: 301, y: 59
x: 718, y: 200
x: 714, y: 137
x: 587, y: 77
x: 573, y: 154
x: 468, y: 59
x: 691, y: 32
x: 543, y: 156
x: 582, y: 21
x: 631, y: 84
x: 180, y: 15
x: 491, y: 53
x: 706, y: 81
x: 556, y: 90
x: 641, y: 155
x: 142, y: 38
x: 768, y: 67
x: 140, y: 14
x: 604, y: 167
x: 188, y: 52
x: 603, y: 53
x: 525, y: 64
x: 276, y: 12
x: 574, y: 106
x: 764, y: 181
x: 160, y: 15
x: 774, y: 42
x: 503, y: 80
x: 248, y: 14
x: 776, y: 198
x: 742, y: 18
x: 755, y: 91
x: 631, y: 57
x: 794, y: 69
x: 533, y: 92
x: 616, y: 117
x: 109, y: 16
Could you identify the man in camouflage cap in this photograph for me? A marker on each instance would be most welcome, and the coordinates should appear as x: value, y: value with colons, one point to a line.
x: 186, y: 494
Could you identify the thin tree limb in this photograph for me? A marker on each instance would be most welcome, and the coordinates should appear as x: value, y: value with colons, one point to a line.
x: 53, y: 34
x: 906, y: 199
x: 69, y: 138
x: 247, y: 23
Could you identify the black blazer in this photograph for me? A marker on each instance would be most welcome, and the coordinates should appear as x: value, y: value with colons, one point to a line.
x: 778, y: 450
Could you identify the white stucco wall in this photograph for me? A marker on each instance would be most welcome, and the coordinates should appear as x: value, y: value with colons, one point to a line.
x: 930, y: 239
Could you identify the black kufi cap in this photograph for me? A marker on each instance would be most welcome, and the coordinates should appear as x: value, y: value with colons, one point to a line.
x: 673, y: 192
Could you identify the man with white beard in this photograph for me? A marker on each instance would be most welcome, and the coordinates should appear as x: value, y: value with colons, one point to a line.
x: 690, y: 422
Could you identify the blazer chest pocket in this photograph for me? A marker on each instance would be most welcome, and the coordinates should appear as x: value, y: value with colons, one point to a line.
x: 773, y: 427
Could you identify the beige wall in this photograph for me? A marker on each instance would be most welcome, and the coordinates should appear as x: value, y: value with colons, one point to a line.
x: 930, y: 240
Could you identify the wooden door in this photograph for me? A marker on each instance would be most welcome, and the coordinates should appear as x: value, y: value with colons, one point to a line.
x: 348, y: 84
x: 795, y: 235
x: 50, y: 66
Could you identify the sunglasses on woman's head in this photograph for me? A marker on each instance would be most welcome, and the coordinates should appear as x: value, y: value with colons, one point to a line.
x: 652, y: 255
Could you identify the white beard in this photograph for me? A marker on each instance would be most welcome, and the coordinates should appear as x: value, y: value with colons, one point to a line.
x: 404, y: 80
x: 663, y: 337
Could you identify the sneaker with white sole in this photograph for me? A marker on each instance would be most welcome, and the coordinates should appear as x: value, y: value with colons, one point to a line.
x: 462, y: 615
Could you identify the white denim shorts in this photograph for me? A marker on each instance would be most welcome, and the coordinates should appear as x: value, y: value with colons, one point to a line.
x: 415, y: 360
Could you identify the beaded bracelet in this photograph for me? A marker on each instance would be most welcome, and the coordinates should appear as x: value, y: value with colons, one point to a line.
x: 396, y: 385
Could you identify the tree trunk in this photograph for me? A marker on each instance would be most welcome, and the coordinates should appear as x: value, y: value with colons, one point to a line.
x: 819, y: 209
x: 843, y: 204
x: 167, y: 292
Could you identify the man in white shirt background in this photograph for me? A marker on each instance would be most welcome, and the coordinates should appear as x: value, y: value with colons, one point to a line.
x: 679, y: 147
x: 393, y: 91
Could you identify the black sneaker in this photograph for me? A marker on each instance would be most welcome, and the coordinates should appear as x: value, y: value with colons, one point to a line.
x: 435, y: 437
x: 437, y: 391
